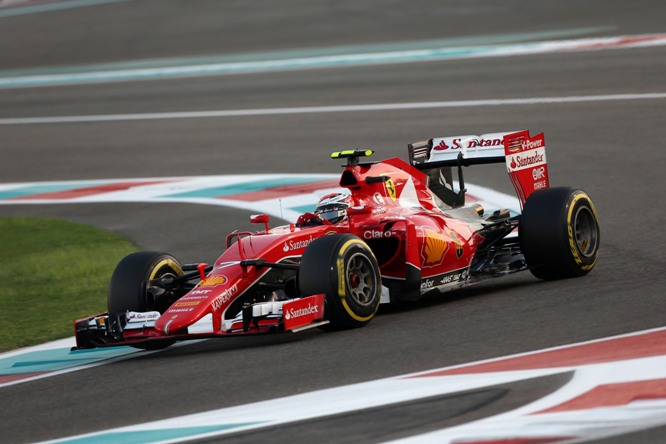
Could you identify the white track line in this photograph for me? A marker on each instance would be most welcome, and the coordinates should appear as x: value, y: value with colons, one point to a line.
x: 330, y: 109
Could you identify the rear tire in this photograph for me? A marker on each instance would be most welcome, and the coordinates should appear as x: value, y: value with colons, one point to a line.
x: 344, y: 269
x: 559, y: 233
x: 129, y: 284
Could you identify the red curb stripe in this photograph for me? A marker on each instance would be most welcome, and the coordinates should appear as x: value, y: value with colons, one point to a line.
x: 625, y: 41
x: 89, y: 191
x: 608, y: 395
x: 540, y: 440
x: 11, y: 378
x: 616, y: 349
x: 21, y: 3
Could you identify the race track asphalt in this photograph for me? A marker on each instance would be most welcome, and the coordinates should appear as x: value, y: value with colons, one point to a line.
x: 613, y: 149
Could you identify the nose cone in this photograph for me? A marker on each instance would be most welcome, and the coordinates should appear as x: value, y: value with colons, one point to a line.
x: 171, y: 324
x: 183, y: 313
x: 211, y: 295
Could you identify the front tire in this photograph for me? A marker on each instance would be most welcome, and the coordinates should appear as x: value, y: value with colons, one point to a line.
x: 128, y: 289
x: 344, y: 268
x: 559, y: 233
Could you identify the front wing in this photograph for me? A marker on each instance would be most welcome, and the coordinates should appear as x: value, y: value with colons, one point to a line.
x: 138, y: 328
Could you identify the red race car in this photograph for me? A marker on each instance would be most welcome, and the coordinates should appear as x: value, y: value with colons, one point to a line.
x: 398, y: 231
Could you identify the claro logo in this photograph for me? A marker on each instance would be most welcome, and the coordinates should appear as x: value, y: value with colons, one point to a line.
x: 310, y: 309
x: 377, y: 234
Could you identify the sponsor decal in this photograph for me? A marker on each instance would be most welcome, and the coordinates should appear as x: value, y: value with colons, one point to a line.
x: 526, y: 163
x: 213, y: 281
x: 522, y: 141
x: 134, y: 316
x: 434, y: 247
x: 444, y: 279
x: 427, y: 283
x: 456, y: 241
x: 540, y: 184
x: 379, y: 200
x: 186, y: 303
x: 195, y: 297
x: 453, y: 277
x: 377, y: 234
x: 294, y: 313
x: 200, y: 291
x: 512, y: 146
x: 180, y: 310
x: 302, y: 312
x: 530, y: 144
x: 297, y: 244
x: 390, y: 189
x: 458, y: 142
x: 521, y: 162
x: 540, y: 178
x: 224, y: 297
x: 539, y: 173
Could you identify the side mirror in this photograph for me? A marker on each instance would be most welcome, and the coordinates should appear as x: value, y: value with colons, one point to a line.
x: 260, y: 219
x: 361, y: 209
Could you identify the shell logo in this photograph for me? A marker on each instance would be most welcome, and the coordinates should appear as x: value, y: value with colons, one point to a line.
x: 212, y: 281
x: 434, y: 247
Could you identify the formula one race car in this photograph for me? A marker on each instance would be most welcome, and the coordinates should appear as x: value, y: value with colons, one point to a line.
x: 399, y: 231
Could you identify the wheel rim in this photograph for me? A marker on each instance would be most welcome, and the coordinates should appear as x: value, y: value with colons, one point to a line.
x: 585, y: 232
x: 153, y: 302
x: 361, y: 280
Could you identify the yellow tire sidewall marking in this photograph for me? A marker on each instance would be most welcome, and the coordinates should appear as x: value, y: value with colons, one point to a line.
x: 572, y: 239
x: 165, y: 262
x: 342, y: 288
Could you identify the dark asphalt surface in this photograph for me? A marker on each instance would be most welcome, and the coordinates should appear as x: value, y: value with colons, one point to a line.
x: 612, y: 149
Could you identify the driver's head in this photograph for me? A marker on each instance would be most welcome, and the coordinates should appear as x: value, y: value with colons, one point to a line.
x: 333, y: 207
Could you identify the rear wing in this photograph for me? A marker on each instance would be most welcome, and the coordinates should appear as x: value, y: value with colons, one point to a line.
x: 524, y: 156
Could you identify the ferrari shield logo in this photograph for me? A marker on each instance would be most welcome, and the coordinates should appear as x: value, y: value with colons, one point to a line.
x: 390, y: 189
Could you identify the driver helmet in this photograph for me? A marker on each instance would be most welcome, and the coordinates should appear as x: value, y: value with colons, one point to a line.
x: 333, y: 207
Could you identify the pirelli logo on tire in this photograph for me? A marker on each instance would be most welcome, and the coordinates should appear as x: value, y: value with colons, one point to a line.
x: 580, y: 216
x: 170, y: 263
x: 340, y: 262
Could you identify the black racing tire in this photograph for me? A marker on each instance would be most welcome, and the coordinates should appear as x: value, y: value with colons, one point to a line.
x: 344, y: 269
x: 129, y: 281
x: 559, y: 233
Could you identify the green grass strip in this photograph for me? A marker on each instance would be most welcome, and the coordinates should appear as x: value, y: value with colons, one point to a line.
x: 52, y: 272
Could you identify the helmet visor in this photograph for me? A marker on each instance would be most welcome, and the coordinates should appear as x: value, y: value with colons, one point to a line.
x: 333, y: 213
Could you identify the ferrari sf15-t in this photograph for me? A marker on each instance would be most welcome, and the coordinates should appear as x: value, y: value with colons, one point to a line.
x: 404, y: 230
